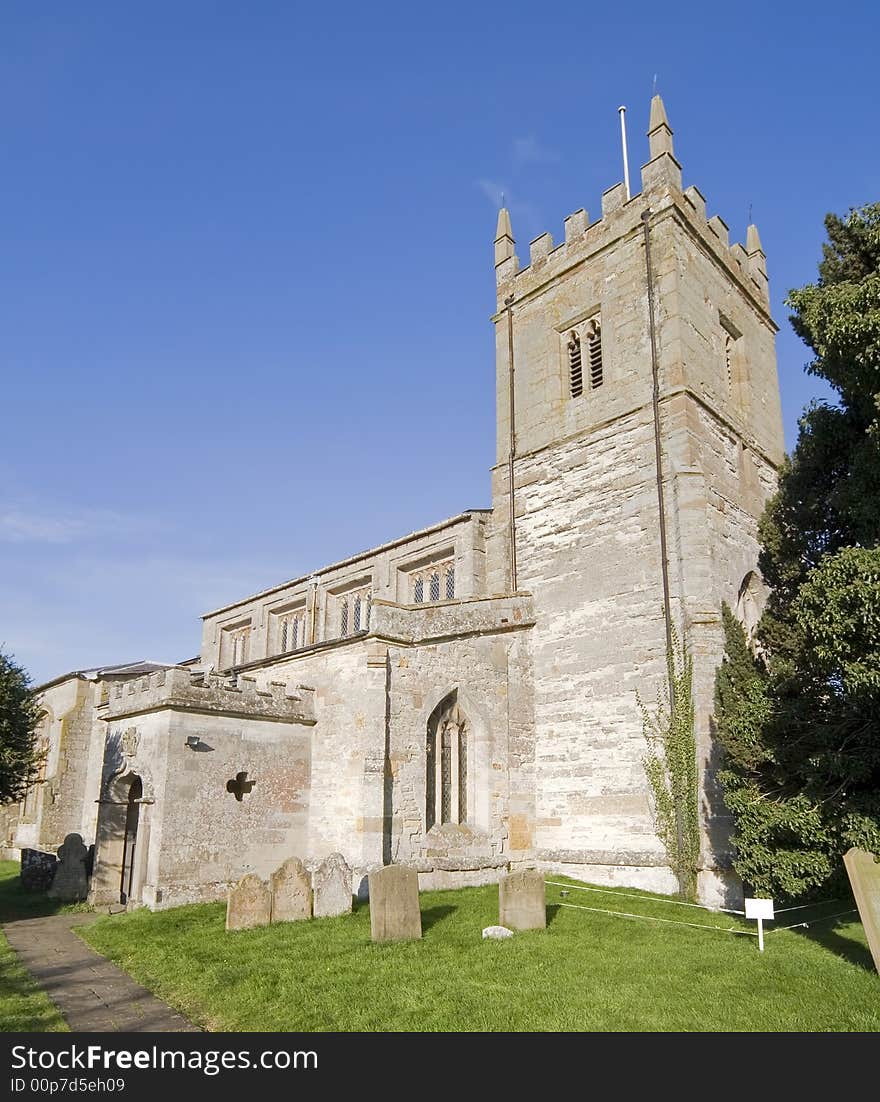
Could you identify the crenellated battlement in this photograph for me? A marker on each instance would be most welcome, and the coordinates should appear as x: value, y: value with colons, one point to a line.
x: 621, y: 216
x: 182, y: 689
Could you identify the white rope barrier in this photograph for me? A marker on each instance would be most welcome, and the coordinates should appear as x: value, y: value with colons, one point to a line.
x: 813, y: 921
x: 804, y: 906
x: 668, y: 921
x: 644, y: 898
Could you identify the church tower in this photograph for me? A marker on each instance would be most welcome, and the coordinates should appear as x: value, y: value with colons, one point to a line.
x: 639, y: 435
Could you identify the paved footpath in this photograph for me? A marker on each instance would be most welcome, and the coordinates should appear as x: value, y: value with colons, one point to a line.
x: 92, y: 994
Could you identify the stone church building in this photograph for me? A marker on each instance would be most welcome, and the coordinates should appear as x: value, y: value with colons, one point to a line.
x: 465, y: 699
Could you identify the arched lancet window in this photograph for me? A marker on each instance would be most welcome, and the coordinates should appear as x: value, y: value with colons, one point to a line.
x: 343, y: 618
x: 450, y: 582
x: 357, y: 614
x: 292, y: 631
x: 594, y: 332
x: 239, y: 640
x: 575, y: 366
x: 418, y: 589
x: 29, y: 804
x: 435, y: 586
x: 446, y: 773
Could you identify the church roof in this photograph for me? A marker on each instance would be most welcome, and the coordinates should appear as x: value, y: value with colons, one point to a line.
x: 100, y: 673
x: 345, y: 562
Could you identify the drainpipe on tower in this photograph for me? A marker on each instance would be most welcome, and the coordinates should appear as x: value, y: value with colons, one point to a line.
x: 508, y: 302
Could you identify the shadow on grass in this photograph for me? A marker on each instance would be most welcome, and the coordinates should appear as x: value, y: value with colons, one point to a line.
x: 553, y: 910
x: 432, y: 915
x: 22, y: 1009
x: 828, y: 936
x: 16, y: 903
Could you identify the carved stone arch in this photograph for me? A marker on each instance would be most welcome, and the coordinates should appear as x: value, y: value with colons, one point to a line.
x: 114, y: 788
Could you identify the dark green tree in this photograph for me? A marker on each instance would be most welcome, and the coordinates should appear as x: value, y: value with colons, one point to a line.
x: 20, y: 714
x: 800, y: 726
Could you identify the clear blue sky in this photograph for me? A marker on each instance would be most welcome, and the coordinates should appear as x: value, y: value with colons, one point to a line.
x: 246, y: 264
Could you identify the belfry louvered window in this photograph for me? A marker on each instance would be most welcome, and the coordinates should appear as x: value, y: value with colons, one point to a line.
x: 575, y: 367
x: 594, y: 346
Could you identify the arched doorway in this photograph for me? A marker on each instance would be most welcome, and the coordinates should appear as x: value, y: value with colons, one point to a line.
x: 127, y: 886
x: 122, y: 841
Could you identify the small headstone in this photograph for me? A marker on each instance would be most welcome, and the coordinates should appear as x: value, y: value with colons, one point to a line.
x: 394, y: 904
x: 863, y: 871
x: 331, y: 881
x: 521, y: 901
x: 291, y: 892
x: 249, y: 904
x: 497, y: 932
x: 37, y: 870
x: 70, y: 883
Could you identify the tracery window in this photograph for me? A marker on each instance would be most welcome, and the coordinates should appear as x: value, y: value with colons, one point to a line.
x: 433, y: 583
x: 239, y: 639
x: 354, y: 612
x: 293, y: 630
x: 446, y: 774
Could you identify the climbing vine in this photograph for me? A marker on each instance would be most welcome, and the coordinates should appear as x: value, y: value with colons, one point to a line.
x: 671, y: 769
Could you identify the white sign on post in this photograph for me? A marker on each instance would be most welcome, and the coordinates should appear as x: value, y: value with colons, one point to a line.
x: 760, y: 909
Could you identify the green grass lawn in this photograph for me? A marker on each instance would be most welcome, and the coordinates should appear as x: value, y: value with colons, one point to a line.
x: 586, y: 971
x: 23, y: 1006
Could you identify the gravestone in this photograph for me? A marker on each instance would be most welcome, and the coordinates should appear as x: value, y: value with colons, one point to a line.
x: 70, y: 883
x: 394, y: 904
x: 331, y: 881
x: 291, y: 892
x: 249, y: 904
x: 37, y: 870
x: 521, y: 901
x: 864, y: 877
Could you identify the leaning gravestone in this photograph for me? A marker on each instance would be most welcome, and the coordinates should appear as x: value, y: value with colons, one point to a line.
x: 291, y: 892
x: 331, y: 881
x: 864, y: 877
x: 249, y: 904
x: 394, y: 904
x: 521, y: 901
x: 70, y: 883
x: 37, y: 870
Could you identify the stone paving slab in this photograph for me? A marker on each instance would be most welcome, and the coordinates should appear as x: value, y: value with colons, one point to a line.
x: 92, y: 993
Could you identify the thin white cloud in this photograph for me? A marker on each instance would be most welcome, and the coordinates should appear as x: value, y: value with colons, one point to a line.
x: 20, y: 527
x: 522, y: 213
x: 44, y: 524
x: 529, y: 151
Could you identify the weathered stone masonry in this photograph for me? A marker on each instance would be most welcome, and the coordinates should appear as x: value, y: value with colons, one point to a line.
x: 419, y: 703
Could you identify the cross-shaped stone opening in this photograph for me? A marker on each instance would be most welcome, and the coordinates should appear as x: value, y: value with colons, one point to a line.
x: 240, y: 786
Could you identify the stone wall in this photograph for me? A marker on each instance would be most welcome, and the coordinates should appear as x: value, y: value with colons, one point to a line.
x: 587, y: 515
